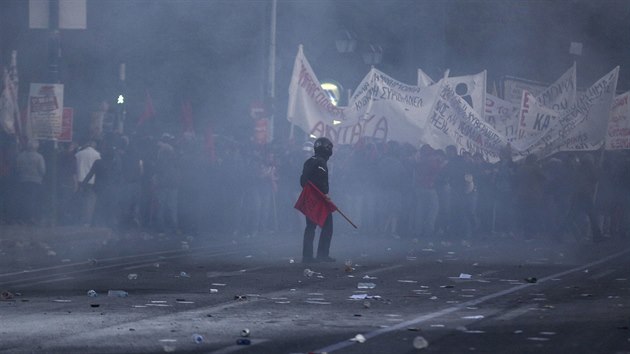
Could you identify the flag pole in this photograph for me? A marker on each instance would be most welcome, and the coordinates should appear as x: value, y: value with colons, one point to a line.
x: 345, y: 217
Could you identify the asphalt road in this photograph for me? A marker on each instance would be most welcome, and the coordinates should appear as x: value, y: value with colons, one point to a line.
x: 197, y: 295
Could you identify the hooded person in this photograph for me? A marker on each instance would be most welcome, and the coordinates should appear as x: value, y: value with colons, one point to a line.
x: 315, y: 170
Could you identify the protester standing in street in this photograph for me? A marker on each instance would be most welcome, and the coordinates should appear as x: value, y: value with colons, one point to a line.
x: 31, y: 169
x: 315, y: 170
x: 85, y: 158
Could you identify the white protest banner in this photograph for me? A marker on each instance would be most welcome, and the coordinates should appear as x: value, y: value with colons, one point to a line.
x: 618, y: 135
x: 582, y: 127
x: 9, y: 109
x: 534, y: 119
x: 556, y: 98
x: 309, y: 105
x: 513, y: 88
x: 561, y: 94
x: 423, y: 79
x: 454, y: 122
x: 502, y: 116
x: 45, y: 110
x: 381, y: 108
x: 472, y: 88
x: 399, y: 111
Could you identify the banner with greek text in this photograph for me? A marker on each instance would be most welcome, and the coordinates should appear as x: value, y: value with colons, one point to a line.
x: 618, y: 135
x: 582, y: 127
x: 454, y: 122
x: 381, y: 108
x: 502, y: 116
x: 45, y: 110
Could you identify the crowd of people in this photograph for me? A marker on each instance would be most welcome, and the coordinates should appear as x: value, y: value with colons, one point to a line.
x: 169, y: 184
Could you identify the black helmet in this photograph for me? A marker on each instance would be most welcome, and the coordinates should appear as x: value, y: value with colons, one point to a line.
x: 323, y: 147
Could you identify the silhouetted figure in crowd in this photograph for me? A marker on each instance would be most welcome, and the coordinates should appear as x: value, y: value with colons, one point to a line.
x: 106, y: 173
x: 166, y: 181
x: 85, y: 158
x: 530, y: 182
x: 582, y: 199
x: 31, y: 169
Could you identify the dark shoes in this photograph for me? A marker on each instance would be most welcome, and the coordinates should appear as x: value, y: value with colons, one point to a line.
x: 309, y: 260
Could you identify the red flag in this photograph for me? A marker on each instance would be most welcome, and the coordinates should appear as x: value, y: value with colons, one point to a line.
x: 209, y: 144
x: 186, y: 117
x: 149, y: 112
x: 314, y: 204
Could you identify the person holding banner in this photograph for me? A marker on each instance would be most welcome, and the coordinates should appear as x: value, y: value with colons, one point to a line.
x: 315, y: 174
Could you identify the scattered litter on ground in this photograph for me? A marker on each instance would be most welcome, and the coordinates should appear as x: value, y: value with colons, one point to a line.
x: 318, y: 302
x: 184, y: 275
x: 92, y: 293
x: 6, y: 295
x: 538, y: 339
x: 369, y: 277
x: 240, y: 297
x: 132, y: 276
x: 62, y: 300
x: 547, y: 333
x: 407, y: 281
x: 366, y: 286
x: 464, y: 276
x: 117, y: 293
x: 245, y: 332
x: 217, y: 284
x: 197, y: 338
x: 420, y: 343
x: 359, y: 338
x: 473, y: 317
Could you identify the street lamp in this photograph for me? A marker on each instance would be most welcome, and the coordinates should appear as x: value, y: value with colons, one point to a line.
x: 373, y: 55
x: 345, y: 42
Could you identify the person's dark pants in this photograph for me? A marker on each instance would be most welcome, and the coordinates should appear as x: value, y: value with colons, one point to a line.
x: 325, y: 237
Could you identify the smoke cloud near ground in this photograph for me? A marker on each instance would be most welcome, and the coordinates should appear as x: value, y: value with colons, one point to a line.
x: 215, y: 54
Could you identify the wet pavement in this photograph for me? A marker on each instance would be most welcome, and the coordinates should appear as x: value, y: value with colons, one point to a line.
x: 383, y: 295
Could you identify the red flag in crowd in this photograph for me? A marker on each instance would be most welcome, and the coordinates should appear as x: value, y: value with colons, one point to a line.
x: 209, y: 144
x: 186, y: 117
x: 149, y: 112
x: 314, y: 204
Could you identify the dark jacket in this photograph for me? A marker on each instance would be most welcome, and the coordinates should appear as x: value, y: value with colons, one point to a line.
x: 315, y: 170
